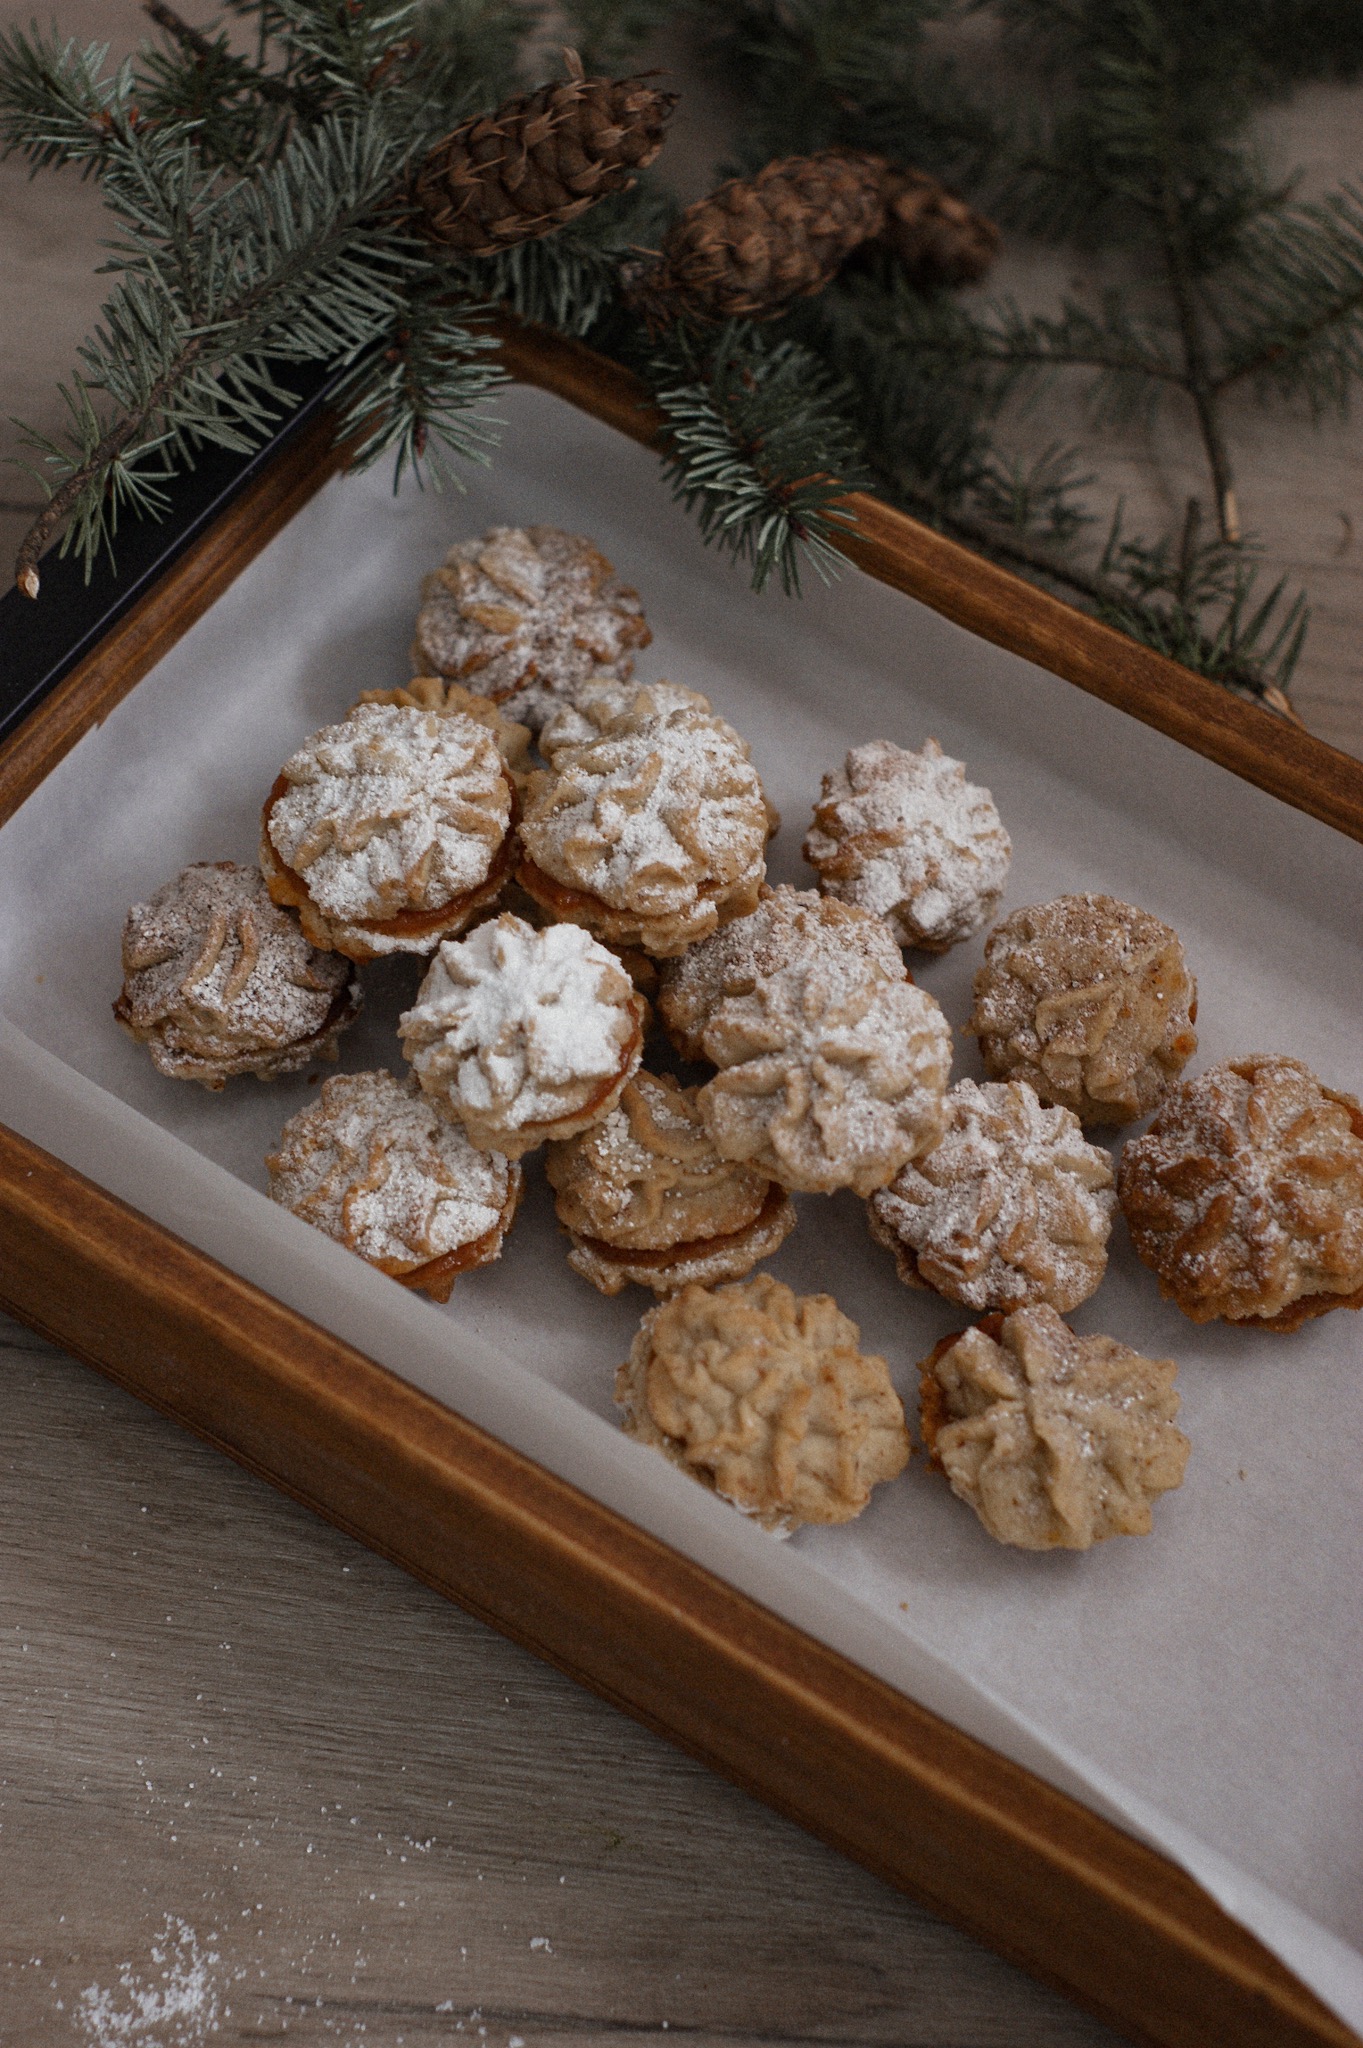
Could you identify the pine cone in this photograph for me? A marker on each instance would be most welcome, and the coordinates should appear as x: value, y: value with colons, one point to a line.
x: 751, y: 247
x: 937, y: 238
x: 757, y: 243
x: 543, y: 158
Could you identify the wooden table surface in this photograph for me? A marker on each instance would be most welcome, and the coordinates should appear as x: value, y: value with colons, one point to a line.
x: 251, y: 1774
x: 256, y: 1783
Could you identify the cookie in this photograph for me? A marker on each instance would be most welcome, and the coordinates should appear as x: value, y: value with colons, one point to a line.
x: 218, y: 980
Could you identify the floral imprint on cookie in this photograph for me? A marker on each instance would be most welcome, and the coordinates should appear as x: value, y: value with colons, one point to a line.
x: 1012, y: 1205
x: 833, y: 1066
x: 525, y: 615
x: 645, y: 1197
x: 764, y: 1396
x: 391, y: 830
x: 1089, y: 1001
x: 903, y: 834
x: 1056, y: 1441
x: 218, y: 980
x: 1245, y: 1196
x: 372, y: 1165
x: 523, y: 1035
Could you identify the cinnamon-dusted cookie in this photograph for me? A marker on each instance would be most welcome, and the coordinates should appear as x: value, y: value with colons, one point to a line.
x: 652, y: 832
x: 904, y: 834
x: 833, y: 1065
x: 1056, y: 1441
x: 391, y: 830
x: 1011, y: 1206
x: 1091, y: 1002
x: 764, y: 1396
x: 525, y: 615
x: 1245, y: 1196
x: 217, y: 980
x: 433, y: 693
x: 523, y: 1036
x: 373, y: 1165
x: 646, y: 1198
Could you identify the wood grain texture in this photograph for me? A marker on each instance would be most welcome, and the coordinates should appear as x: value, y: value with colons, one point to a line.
x: 218, y: 1712
x: 915, y: 1800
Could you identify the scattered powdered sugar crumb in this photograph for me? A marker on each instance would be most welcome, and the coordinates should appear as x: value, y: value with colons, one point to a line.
x: 542, y: 1941
x: 176, y: 2003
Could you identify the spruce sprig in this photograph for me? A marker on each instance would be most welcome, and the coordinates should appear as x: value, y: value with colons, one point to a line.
x: 759, y: 448
x: 219, y: 278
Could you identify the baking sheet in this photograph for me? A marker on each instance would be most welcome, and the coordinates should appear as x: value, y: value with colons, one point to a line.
x: 1200, y: 1684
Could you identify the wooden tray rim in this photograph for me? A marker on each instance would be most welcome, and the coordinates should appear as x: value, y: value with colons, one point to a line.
x: 1031, y: 1871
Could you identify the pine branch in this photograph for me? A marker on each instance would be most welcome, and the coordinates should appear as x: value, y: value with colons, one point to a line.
x: 1294, y: 311
x: 413, y: 396
x: 759, y: 449
x: 57, y: 107
x: 219, y: 278
x: 571, y: 279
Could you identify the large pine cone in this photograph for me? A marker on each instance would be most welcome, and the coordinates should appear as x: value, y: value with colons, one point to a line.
x: 540, y: 160
x: 750, y: 248
x: 935, y: 236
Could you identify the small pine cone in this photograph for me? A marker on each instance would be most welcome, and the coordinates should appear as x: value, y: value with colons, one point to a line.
x: 751, y: 247
x: 936, y: 237
x: 540, y: 160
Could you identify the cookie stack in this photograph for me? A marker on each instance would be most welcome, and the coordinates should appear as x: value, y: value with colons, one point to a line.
x: 578, y: 861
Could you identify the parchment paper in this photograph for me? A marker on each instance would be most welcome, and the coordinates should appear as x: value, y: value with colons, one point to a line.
x: 1201, y: 1684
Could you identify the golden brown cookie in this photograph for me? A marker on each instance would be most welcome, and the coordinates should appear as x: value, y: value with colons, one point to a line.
x: 218, y: 980
x: 646, y: 1198
x: 764, y: 1396
x: 1245, y: 1196
x: 524, y: 1035
x: 525, y: 615
x: 391, y: 830
x: 1056, y: 1441
x: 903, y: 834
x: 1091, y: 1002
x: 1011, y: 1206
x: 652, y: 832
x: 373, y: 1165
x: 833, y: 1065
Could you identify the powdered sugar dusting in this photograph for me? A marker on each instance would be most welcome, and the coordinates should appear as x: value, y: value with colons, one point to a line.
x: 659, y: 809
x: 1011, y: 1206
x: 520, y: 1024
x: 219, y: 980
x: 904, y: 834
x: 393, y: 809
x: 177, y: 2003
x: 833, y: 1065
x: 527, y: 614
x: 373, y: 1165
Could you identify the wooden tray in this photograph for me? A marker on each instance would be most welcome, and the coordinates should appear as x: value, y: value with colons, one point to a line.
x: 966, y: 1831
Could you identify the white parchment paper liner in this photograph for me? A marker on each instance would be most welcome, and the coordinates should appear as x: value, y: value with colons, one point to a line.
x: 1209, y: 1672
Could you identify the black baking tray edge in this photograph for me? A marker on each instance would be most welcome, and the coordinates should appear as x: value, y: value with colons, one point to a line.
x: 43, y: 638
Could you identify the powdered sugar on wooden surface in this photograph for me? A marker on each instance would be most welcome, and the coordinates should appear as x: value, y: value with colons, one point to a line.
x: 176, y: 2001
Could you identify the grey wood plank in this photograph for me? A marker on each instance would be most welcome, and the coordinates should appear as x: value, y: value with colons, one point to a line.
x: 252, y: 1772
